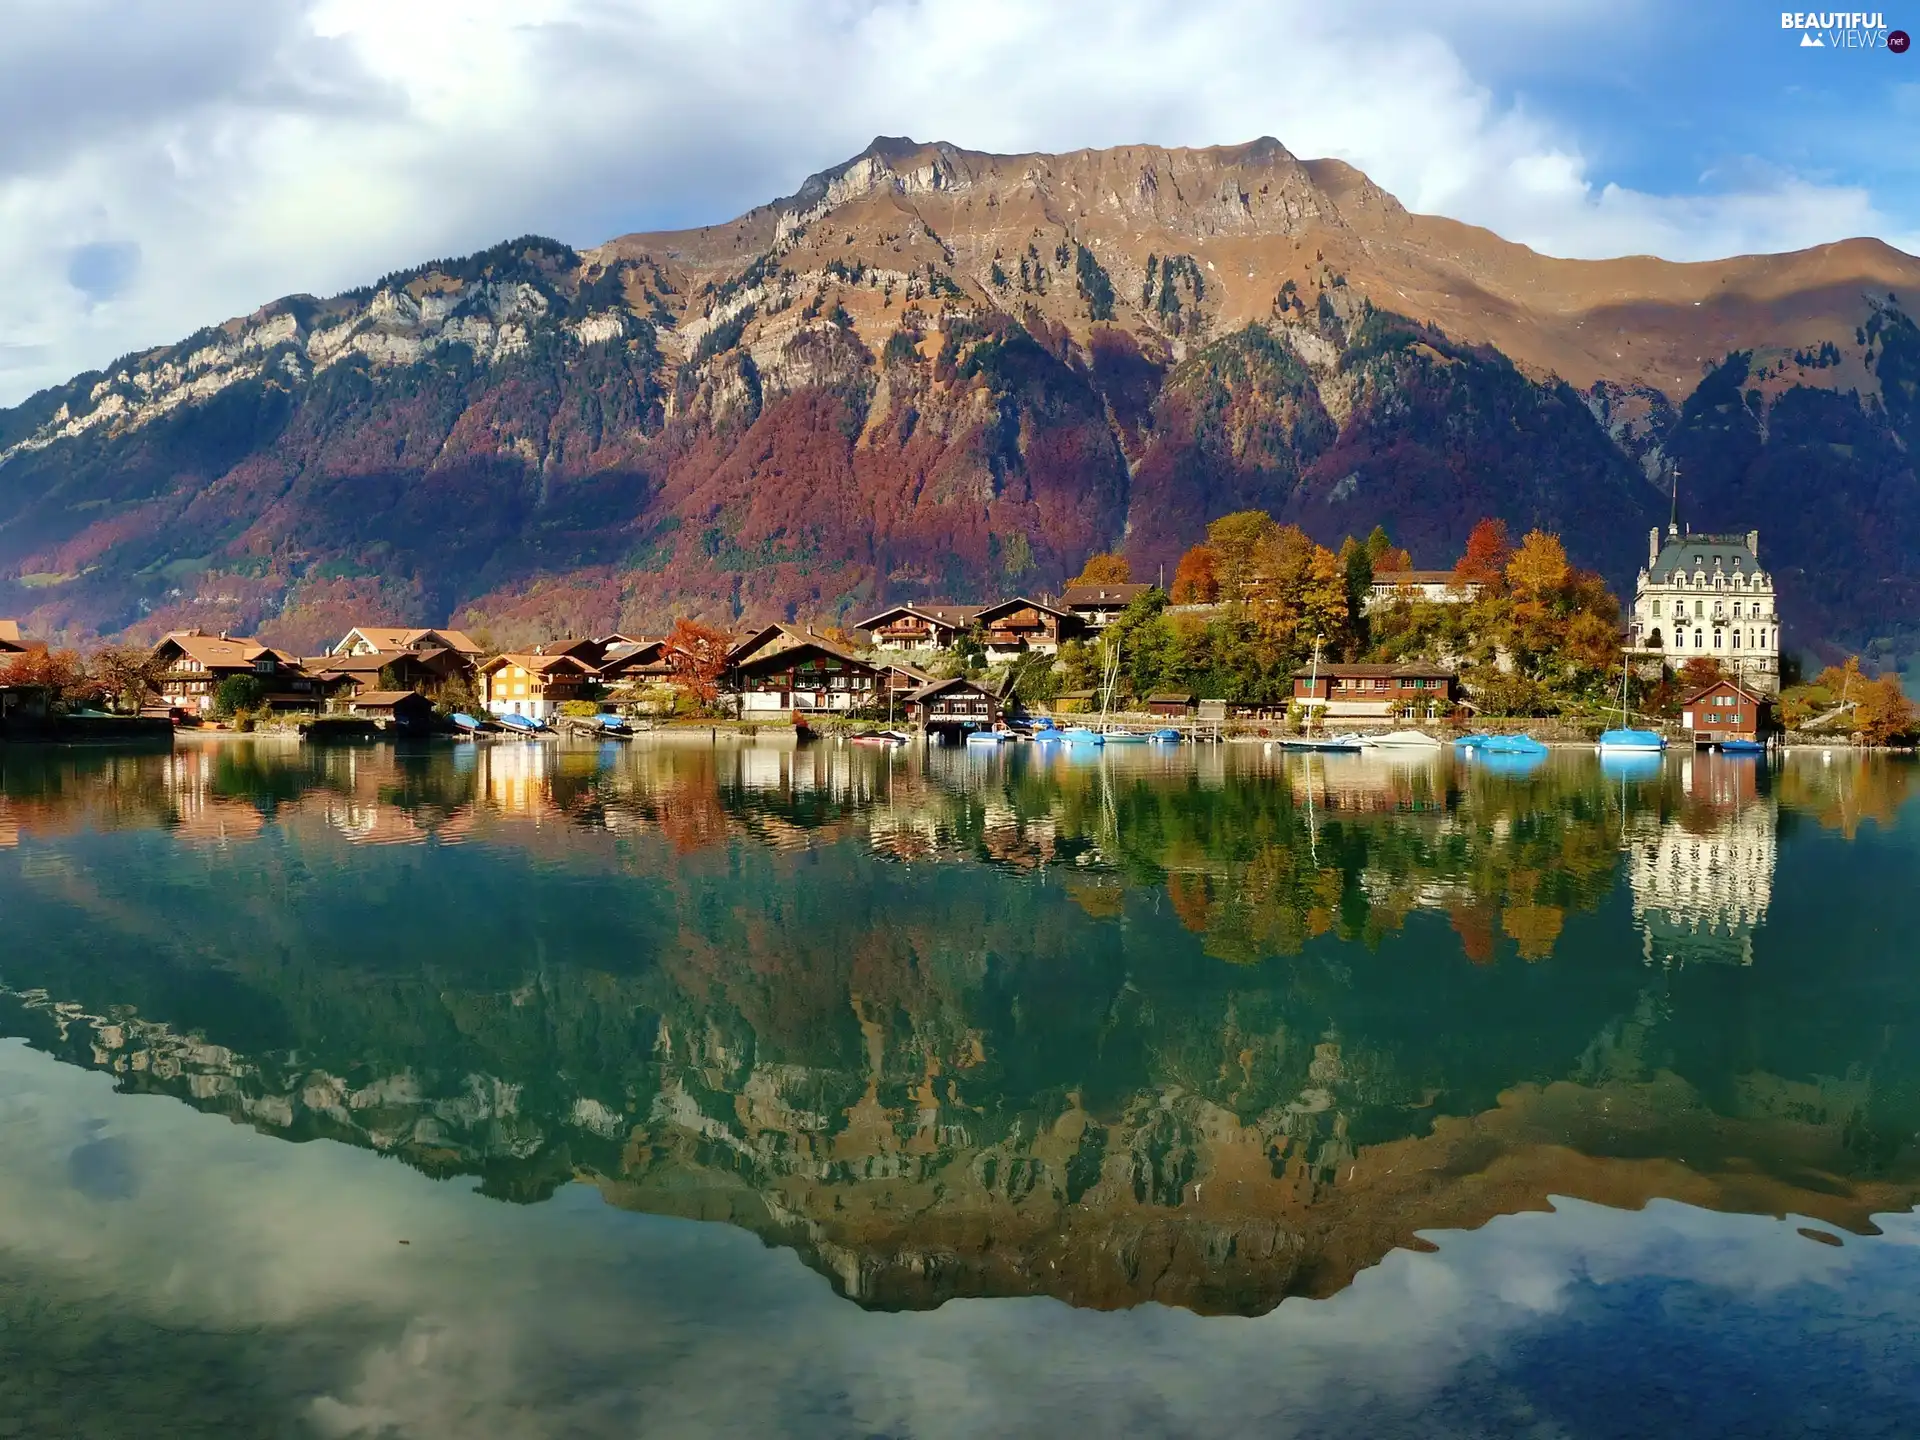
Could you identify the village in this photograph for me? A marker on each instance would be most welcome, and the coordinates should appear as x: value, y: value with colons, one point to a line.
x: 1322, y: 649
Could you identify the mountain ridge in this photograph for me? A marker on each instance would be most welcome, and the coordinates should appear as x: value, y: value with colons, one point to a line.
x: 932, y: 372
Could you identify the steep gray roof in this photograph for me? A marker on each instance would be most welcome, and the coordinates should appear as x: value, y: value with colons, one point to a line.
x: 1682, y: 555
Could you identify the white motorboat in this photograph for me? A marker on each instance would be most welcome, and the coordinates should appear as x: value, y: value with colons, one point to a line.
x: 1406, y: 740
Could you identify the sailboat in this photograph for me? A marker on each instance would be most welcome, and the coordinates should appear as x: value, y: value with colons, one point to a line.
x: 1625, y: 740
x: 1306, y: 740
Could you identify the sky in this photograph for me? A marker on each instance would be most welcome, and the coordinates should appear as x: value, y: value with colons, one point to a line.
x: 166, y: 167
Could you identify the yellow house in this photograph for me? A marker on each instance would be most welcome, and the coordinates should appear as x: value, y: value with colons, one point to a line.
x: 535, y: 686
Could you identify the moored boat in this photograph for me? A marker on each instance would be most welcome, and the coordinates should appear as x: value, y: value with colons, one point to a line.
x: 1742, y: 747
x: 1080, y: 735
x: 1343, y: 744
x: 1512, y: 745
x: 1406, y: 740
x: 1166, y: 736
x: 1628, y: 741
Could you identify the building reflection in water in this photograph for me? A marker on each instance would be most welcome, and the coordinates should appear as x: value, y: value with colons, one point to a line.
x: 952, y: 1025
x: 1702, y: 878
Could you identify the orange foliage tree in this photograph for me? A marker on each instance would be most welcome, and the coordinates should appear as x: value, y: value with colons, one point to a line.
x: 1485, y: 559
x: 697, y: 655
x: 1104, y: 569
x: 1699, y: 672
x: 1538, y: 569
x: 62, y: 672
x: 1881, y: 711
x: 1194, y: 579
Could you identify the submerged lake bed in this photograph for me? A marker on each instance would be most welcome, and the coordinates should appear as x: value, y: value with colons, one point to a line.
x: 672, y: 1089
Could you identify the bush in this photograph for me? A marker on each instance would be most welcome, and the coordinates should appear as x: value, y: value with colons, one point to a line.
x: 238, y: 693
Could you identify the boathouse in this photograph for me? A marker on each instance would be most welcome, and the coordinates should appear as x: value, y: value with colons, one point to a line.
x: 1726, y: 710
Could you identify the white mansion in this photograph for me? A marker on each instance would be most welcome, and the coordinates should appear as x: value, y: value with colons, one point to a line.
x: 1706, y: 595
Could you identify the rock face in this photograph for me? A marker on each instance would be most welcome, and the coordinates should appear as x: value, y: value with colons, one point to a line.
x: 935, y: 373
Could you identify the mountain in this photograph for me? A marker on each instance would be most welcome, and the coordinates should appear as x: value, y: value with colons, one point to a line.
x: 937, y: 373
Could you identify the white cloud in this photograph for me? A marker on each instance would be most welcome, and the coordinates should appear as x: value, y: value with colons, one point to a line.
x: 229, y: 151
x: 572, y: 1318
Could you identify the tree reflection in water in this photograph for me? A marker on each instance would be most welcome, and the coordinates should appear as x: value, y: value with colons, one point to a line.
x: 1210, y: 1027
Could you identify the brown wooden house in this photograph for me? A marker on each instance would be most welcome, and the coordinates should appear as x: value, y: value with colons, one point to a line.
x: 1413, y: 691
x: 954, y: 705
x: 1726, y: 710
x: 1019, y: 625
x: 1172, y: 704
x: 1098, y: 606
x: 917, y: 627
x: 192, y: 665
x: 387, y: 639
x: 810, y: 675
x: 407, y: 711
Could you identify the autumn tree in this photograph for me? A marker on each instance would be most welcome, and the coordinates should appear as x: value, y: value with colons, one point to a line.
x: 1881, y: 712
x: 61, y: 673
x: 1538, y: 569
x: 1104, y: 569
x: 1194, y: 579
x: 1238, y: 542
x: 126, y: 675
x: 1485, y: 559
x: 1386, y: 557
x: 1699, y: 672
x: 697, y: 655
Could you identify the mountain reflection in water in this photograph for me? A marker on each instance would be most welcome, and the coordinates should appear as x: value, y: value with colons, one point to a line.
x: 1209, y: 1027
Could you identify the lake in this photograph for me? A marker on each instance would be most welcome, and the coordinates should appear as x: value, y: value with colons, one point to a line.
x: 678, y: 1089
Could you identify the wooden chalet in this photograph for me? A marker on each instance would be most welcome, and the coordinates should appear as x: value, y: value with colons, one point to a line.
x: 192, y: 664
x: 387, y: 639
x: 950, y: 706
x: 534, y: 685
x: 351, y: 675
x: 810, y: 675
x: 1098, y: 606
x: 1017, y: 626
x: 1174, y: 704
x: 407, y: 711
x: 635, y: 663
x: 917, y: 627
x: 765, y: 641
x: 1726, y: 710
x: 1414, y: 691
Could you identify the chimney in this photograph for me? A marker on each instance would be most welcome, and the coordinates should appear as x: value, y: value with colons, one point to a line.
x: 1753, y: 543
x: 1653, y: 546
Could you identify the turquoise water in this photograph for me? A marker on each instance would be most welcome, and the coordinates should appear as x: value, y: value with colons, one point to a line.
x: 672, y: 1089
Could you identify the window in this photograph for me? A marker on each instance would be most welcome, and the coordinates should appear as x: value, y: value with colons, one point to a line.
x: 1716, y: 639
x: 1699, y: 640
x: 1736, y: 609
x: 1656, y: 609
x: 1699, y: 609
